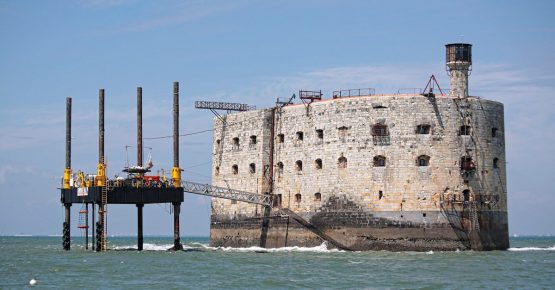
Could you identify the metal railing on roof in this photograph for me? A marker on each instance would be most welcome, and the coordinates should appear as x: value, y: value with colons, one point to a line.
x: 354, y: 92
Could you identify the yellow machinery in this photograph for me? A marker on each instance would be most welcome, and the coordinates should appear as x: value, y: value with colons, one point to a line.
x: 176, y: 176
x: 67, y: 177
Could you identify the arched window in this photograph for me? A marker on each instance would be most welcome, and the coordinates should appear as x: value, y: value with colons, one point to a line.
x: 280, y: 138
x: 467, y: 163
x: 235, y: 169
x: 280, y: 167
x: 300, y: 136
x: 298, y: 197
x: 299, y: 165
x: 317, y: 196
x: 252, y: 168
x: 318, y: 163
x: 342, y: 162
x: 217, y: 170
x: 423, y: 160
x: 379, y: 161
x: 464, y: 130
x: 235, y: 145
x: 423, y: 129
x: 343, y: 132
x: 495, y: 163
x: 466, y: 195
x: 252, y: 142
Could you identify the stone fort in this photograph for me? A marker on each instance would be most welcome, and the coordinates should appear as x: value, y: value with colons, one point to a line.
x: 365, y: 171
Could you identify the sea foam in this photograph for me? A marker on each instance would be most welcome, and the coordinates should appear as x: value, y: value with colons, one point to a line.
x: 532, y: 249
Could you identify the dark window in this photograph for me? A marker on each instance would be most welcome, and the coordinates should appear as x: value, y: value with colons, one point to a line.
x: 342, y: 162
x: 467, y: 163
x: 423, y: 160
x: 235, y: 143
x: 496, y: 163
x: 318, y: 163
x: 252, y: 168
x: 280, y: 138
x: 343, y: 132
x: 299, y: 165
x: 253, y: 140
x: 217, y: 170
x: 465, y: 130
x: 300, y: 136
x: 379, y: 161
x: 423, y: 129
x: 466, y: 195
x: 320, y: 134
x: 379, y: 130
x: 298, y: 197
x: 280, y: 167
x: 494, y: 132
x: 235, y: 169
x: 380, y: 194
x: 218, y: 143
x: 317, y: 197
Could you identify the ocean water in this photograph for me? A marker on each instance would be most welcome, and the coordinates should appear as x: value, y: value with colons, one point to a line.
x: 528, y: 264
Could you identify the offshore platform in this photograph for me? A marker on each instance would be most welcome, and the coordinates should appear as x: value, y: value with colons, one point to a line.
x: 138, y: 188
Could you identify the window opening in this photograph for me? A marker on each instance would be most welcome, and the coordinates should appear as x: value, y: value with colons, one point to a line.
x: 280, y: 138
x: 317, y: 196
x: 300, y: 136
x: 466, y: 195
x: 252, y: 142
x: 342, y: 162
x: 423, y: 129
x: 318, y: 163
x: 299, y: 165
x: 465, y: 130
x: 467, y: 164
x: 320, y: 134
x: 252, y: 168
x: 379, y: 161
x: 235, y: 169
x: 298, y: 197
x: 423, y: 160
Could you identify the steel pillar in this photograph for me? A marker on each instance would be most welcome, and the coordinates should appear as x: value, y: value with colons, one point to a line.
x: 140, y: 226
x: 66, y: 228
x: 176, y: 238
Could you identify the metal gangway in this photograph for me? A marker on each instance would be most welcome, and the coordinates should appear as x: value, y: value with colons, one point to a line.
x: 226, y: 193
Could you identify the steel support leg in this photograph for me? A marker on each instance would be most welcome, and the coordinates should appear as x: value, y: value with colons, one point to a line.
x: 176, y: 239
x: 140, y: 226
x: 66, y: 230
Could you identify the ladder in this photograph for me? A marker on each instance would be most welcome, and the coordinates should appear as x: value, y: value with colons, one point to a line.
x: 104, y: 198
x: 104, y: 210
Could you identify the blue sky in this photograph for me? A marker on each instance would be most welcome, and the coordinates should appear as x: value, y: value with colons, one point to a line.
x: 249, y: 52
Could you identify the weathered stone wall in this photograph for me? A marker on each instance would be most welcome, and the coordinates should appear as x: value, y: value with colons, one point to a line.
x: 399, y: 195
